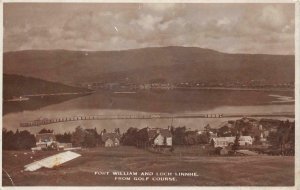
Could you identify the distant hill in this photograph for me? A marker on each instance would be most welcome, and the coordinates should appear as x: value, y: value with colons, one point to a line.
x: 15, y: 85
x: 174, y: 64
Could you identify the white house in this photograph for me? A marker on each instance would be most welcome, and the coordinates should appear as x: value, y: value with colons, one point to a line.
x: 48, y: 140
x: 245, y: 140
x: 160, y: 137
x: 227, y: 141
x: 44, y: 140
x: 161, y: 140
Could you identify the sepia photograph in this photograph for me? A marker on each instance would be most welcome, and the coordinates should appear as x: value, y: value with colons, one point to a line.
x: 148, y: 94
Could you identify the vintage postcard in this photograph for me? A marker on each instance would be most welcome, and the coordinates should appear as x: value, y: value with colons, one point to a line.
x: 149, y: 94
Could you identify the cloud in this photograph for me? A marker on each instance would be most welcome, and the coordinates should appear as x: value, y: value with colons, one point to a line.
x: 273, y: 17
x: 234, y: 28
x: 147, y: 22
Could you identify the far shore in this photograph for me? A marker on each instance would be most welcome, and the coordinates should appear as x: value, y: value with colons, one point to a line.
x: 237, y: 89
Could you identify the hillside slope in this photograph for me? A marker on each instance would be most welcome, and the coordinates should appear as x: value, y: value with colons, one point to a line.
x: 175, y: 64
x: 15, y: 85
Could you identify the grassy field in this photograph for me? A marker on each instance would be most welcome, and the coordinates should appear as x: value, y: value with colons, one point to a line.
x: 210, y: 170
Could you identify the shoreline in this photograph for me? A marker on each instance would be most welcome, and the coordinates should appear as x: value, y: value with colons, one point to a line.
x: 235, y: 89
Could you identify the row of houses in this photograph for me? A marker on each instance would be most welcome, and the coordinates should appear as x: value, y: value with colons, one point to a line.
x: 48, y: 141
x: 164, y: 85
x: 154, y: 137
x: 146, y: 137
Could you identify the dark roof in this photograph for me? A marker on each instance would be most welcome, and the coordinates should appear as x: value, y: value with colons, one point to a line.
x: 153, y: 133
x: 44, y: 136
x: 165, y: 133
x: 111, y: 136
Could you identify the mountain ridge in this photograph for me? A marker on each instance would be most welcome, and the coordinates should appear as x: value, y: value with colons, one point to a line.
x: 144, y: 48
x: 175, y: 63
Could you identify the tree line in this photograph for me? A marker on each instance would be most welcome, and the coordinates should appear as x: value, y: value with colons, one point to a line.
x: 24, y: 140
x: 282, y: 139
x: 19, y: 140
x: 180, y: 136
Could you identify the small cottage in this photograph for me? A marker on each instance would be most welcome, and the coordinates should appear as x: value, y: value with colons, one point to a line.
x: 111, y: 139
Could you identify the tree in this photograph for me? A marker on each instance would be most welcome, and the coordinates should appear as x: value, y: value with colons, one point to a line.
x: 90, y: 140
x: 8, y: 140
x: 204, y: 138
x: 64, y: 138
x: 78, y: 137
x: 179, y: 136
x: 291, y: 137
x: 172, y: 130
x: 207, y: 128
x: 142, y: 138
x: 27, y: 140
x: 191, y: 138
x: 224, y: 131
x: 236, y: 143
x: 129, y: 138
x: 104, y: 131
x: 20, y: 140
x: 45, y: 131
x: 246, y: 131
x: 274, y: 140
x: 285, y: 137
x: 117, y: 130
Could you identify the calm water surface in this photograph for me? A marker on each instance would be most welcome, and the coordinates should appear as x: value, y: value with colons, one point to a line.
x: 145, y: 102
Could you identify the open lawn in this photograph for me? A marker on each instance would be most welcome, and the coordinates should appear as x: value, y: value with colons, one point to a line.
x: 210, y: 170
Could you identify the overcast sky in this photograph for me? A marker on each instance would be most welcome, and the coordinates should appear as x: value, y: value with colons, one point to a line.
x: 232, y: 28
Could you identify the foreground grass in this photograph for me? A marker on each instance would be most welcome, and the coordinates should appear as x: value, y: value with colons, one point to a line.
x: 211, y: 171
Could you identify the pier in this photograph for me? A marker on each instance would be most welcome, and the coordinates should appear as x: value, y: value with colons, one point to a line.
x: 46, y: 121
